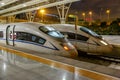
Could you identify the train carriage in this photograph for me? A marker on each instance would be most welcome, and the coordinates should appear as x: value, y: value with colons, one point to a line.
x: 84, y: 39
x: 37, y: 37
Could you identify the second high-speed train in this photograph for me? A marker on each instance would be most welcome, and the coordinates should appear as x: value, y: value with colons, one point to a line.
x: 84, y: 39
x: 37, y: 37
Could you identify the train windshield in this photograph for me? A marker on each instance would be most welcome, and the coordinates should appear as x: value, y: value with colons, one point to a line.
x: 51, y: 31
x: 86, y: 30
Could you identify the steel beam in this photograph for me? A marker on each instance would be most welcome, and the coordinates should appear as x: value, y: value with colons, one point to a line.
x: 30, y: 3
x: 40, y: 7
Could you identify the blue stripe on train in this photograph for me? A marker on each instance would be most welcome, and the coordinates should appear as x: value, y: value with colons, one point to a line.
x: 28, y: 42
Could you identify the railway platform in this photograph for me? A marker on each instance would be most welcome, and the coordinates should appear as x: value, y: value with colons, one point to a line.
x: 21, y: 64
x: 113, y: 39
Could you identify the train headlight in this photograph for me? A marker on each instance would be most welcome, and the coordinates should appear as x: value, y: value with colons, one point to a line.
x: 66, y: 48
x: 103, y: 42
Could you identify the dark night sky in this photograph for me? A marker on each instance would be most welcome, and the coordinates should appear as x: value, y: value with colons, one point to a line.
x: 97, y: 6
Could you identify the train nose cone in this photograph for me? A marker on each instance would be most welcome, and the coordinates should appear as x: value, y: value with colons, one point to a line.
x: 70, y: 49
x: 107, y: 49
x: 73, y: 53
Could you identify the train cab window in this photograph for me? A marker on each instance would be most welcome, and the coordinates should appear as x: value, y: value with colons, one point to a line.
x: 51, y: 31
x: 1, y: 34
x: 90, y: 32
x: 55, y: 34
x: 43, y: 29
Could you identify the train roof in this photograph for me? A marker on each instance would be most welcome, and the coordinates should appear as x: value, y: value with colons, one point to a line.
x: 70, y: 25
x: 23, y: 24
x: 28, y: 23
x: 63, y: 26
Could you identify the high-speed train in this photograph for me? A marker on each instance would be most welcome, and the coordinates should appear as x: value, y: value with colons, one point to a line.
x: 84, y: 39
x: 37, y: 37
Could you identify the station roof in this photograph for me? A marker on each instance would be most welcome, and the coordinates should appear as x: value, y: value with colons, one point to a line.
x: 12, y: 7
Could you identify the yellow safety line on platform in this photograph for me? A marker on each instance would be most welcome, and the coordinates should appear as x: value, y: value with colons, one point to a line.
x: 83, y: 72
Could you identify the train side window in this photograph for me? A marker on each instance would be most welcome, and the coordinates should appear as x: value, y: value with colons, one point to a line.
x: 83, y: 38
x: 1, y: 34
x: 73, y: 36
x: 69, y: 35
x: 21, y: 36
x: 37, y: 39
x: 30, y: 37
x: 41, y: 41
x: 34, y: 38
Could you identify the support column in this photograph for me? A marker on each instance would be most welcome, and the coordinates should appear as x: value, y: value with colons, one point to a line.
x: 10, y: 19
x: 30, y: 16
x: 63, y: 11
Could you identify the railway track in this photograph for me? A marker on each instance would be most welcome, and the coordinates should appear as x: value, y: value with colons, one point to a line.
x: 115, y: 60
x: 100, y: 60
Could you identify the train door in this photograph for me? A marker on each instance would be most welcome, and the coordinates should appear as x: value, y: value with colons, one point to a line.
x: 92, y: 46
x: 10, y: 35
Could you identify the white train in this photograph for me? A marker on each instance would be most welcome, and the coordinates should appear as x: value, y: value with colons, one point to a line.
x: 84, y: 39
x: 37, y: 37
